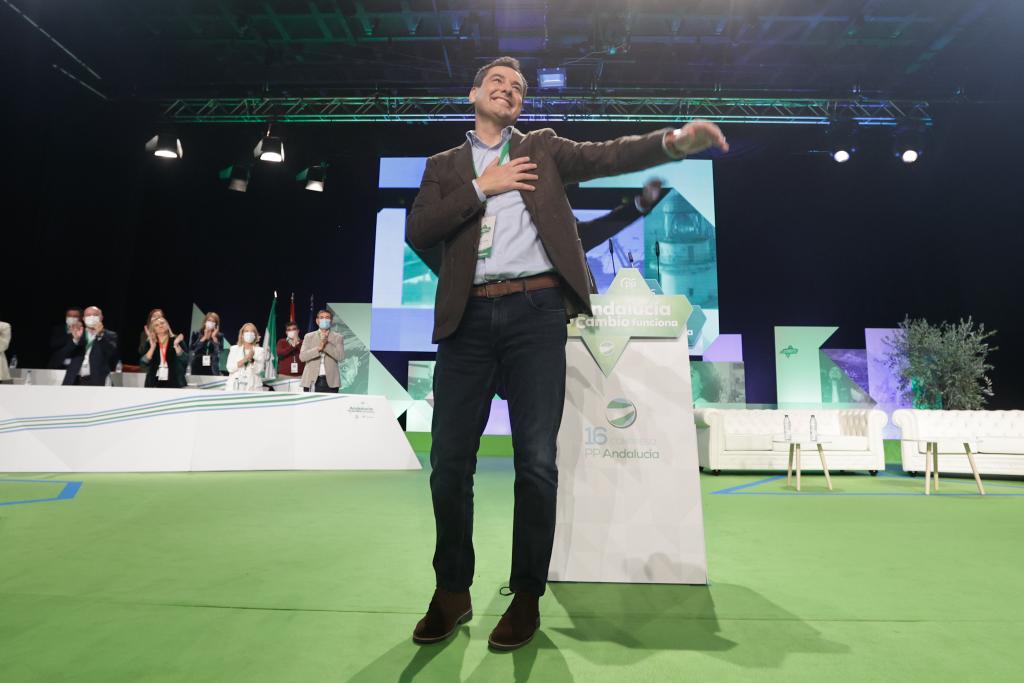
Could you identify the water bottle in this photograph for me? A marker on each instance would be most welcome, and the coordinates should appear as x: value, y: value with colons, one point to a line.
x: 814, y: 428
x: 28, y: 377
x: 14, y: 362
x: 787, y: 428
x: 119, y: 369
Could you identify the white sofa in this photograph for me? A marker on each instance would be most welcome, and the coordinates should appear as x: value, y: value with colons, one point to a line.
x: 995, y: 436
x: 738, y: 439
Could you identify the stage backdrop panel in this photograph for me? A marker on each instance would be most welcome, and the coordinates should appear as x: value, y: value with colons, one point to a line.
x: 629, y: 506
x: 100, y: 429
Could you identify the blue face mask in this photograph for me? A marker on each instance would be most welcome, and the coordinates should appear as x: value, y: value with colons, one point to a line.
x: 324, y: 323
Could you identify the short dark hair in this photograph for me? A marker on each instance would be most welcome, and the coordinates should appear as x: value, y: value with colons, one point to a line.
x: 510, y: 62
x: 324, y: 310
x: 291, y: 323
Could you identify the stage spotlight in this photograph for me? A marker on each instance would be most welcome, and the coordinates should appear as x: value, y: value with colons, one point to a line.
x: 164, y: 145
x: 269, y: 148
x: 550, y: 78
x: 315, y: 177
x: 842, y: 137
x: 908, y: 142
x: 237, y: 177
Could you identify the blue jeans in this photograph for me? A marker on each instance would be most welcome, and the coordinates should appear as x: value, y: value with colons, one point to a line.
x: 518, y: 342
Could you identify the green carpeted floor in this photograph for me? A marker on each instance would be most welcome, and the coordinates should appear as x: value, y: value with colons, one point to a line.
x: 291, y: 576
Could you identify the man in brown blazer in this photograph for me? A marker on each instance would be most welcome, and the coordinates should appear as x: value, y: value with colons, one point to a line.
x: 512, y: 273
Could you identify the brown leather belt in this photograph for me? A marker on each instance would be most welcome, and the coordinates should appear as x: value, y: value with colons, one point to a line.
x: 523, y: 284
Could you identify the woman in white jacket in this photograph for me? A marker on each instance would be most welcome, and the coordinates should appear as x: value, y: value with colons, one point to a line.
x: 246, y: 361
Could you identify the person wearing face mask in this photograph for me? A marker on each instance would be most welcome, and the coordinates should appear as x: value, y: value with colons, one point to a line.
x: 92, y: 350
x: 165, y: 359
x: 61, y: 336
x: 288, y: 363
x: 206, y: 345
x: 246, y: 361
x: 322, y: 350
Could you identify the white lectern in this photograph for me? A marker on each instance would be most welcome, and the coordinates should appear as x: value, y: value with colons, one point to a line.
x: 629, y: 507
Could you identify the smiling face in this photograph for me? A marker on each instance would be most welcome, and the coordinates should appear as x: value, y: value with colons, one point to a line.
x: 500, y: 95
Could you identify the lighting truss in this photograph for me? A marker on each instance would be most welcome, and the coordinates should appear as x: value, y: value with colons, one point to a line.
x: 376, y: 109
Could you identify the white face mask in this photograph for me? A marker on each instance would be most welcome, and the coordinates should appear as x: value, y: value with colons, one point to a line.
x: 92, y: 321
x: 292, y: 334
x: 324, y: 323
x: 210, y: 325
x: 70, y: 320
x: 249, y: 337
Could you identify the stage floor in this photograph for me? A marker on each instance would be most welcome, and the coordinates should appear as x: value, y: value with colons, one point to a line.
x: 307, y: 576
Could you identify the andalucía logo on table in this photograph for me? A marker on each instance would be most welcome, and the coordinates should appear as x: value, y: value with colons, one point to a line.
x: 628, y: 309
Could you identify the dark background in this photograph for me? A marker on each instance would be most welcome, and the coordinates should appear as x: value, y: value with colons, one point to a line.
x: 90, y: 218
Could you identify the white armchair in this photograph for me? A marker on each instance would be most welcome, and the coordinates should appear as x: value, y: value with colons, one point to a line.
x: 738, y: 439
x: 995, y: 437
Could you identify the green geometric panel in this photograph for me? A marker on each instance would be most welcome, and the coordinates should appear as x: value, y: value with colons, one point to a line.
x: 361, y: 372
x: 838, y: 388
x: 419, y: 283
x: 198, y: 318
x: 798, y: 364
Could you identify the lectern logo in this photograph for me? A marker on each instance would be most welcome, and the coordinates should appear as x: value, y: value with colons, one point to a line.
x: 628, y: 310
x: 621, y: 413
x: 789, y: 351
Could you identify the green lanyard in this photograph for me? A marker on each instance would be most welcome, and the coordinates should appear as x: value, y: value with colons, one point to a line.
x: 89, y: 342
x: 502, y: 156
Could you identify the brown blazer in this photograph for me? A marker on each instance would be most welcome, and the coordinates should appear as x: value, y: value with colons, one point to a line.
x: 447, y: 210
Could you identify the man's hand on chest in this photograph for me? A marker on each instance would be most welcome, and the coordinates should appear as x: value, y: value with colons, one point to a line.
x: 517, y: 174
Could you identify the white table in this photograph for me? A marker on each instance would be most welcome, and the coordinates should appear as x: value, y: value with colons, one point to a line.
x: 795, y: 442
x: 104, y: 429
x: 931, y: 464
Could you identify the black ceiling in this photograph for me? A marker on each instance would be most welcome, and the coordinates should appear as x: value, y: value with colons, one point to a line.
x: 159, y: 49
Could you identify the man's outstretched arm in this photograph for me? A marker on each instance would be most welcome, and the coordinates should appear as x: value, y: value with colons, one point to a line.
x: 580, y: 161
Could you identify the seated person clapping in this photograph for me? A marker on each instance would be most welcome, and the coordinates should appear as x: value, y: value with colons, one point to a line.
x: 165, y: 359
x: 246, y: 361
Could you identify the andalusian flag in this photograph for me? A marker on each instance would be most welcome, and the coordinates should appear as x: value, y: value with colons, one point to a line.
x: 270, y: 341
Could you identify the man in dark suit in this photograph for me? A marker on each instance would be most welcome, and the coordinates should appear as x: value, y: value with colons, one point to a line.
x: 512, y: 273
x: 92, y: 350
x: 59, y: 338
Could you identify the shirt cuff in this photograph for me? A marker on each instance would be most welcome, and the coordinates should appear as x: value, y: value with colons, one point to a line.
x: 669, y: 150
x: 480, y: 193
x: 636, y: 203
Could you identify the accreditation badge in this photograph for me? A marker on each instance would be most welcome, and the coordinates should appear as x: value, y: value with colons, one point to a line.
x: 487, y: 236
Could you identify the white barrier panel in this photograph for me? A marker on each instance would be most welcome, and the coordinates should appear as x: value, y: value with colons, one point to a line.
x: 99, y: 429
x: 629, y: 507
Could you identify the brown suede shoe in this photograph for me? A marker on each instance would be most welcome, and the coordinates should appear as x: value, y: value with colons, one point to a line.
x: 447, y: 611
x: 518, y: 625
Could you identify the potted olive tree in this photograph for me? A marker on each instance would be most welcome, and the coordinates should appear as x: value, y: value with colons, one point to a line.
x: 942, y: 366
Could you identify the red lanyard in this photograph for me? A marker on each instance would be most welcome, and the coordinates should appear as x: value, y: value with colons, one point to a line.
x: 163, y: 352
